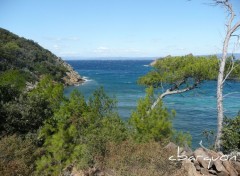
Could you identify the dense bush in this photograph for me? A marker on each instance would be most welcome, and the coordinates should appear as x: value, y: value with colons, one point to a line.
x: 155, y: 124
x: 231, y: 134
x: 17, y: 156
x: 26, y: 114
x: 23, y: 112
x: 142, y: 159
x: 78, y: 133
x: 150, y: 124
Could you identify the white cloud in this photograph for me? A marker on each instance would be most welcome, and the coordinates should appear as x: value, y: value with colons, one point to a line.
x: 55, y: 46
x: 58, y: 39
x: 101, y: 49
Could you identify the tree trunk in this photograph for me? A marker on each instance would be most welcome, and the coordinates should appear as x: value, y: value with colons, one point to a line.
x: 220, y: 83
x: 221, y: 76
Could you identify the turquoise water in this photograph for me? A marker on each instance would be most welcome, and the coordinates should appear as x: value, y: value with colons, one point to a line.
x: 196, y: 110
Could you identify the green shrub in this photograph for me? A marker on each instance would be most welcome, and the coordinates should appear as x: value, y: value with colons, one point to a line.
x: 78, y: 133
x: 17, y: 156
x: 26, y: 114
x: 150, y: 124
x: 231, y: 134
x: 26, y: 111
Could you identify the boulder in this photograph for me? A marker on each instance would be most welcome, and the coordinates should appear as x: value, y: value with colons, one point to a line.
x: 190, y: 168
x: 200, y: 154
x: 217, y: 162
x: 231, y: 170
x: 222, y: 173
x: 211, y: 171
x: 72, y: 77
x: 171, y: 146
x: 236, y: 165
x: 204, y: 171
x: 197, y: 166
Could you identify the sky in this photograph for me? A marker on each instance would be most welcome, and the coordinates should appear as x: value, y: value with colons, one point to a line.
x: 119, y: 28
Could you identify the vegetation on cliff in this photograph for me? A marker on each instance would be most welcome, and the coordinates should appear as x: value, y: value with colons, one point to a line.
x: 18, y: 53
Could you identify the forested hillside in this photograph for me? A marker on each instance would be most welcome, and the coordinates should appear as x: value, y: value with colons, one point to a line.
x: 18, y: 53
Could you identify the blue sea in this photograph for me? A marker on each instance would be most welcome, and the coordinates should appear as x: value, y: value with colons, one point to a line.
x: 195, y: 110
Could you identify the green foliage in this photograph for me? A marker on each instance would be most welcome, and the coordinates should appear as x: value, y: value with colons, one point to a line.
x: 28, y: 56
x: 49, y: 90
x: 12, y: 83
x: 26, y: 112
x: 188, y: 69
x: 210, y: 136
x: 181, y: 139
x: 17, y: 156
x: 13, y: 79
x: 79, y: 131
x: 235, y: 74
x: 149, y: 124
x: 231, y: 134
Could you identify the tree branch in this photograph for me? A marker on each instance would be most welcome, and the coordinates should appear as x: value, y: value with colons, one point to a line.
x: 175, y: 91
x: 230, y: 71
x: 231, y: 94
x: 200, y: 143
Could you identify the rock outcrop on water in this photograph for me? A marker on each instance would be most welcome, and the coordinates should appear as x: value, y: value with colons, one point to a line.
x: 72, y: 77
x: 155, y: 61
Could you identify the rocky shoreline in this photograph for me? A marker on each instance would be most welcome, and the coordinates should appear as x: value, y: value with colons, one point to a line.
x: 72, y: 78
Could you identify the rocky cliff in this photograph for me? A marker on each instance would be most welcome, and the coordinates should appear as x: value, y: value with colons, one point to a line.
x: 72, y: 77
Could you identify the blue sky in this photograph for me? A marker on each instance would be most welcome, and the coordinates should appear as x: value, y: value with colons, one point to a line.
x: 118, y: 28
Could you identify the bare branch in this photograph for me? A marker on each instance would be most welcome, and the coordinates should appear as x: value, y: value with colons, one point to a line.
x: 231, y: 94
x: 235, y: 27
x: 200, y: 143
x: 171, y: 92
x: 230, y: 71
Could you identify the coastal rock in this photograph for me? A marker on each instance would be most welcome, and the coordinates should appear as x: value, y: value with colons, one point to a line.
x: 153, y: 63
x: 200, y: 154
x: 190, y: 168
x: 72, y: 77
x: 197, y: 166
x: 217, y: 163
x: 171, y: 146
x: 236, y: 165
x: 223, y: 173
x: 220, y: 164
x: 204, y: 171
x: 231, y: 170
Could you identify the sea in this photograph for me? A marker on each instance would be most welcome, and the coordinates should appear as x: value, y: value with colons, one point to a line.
x: 195, y: 110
